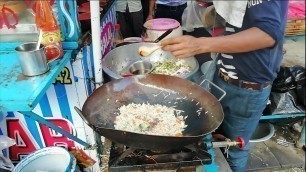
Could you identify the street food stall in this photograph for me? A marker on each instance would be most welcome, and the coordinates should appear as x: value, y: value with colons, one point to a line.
x: 82, y: 100
x: 37, y: 111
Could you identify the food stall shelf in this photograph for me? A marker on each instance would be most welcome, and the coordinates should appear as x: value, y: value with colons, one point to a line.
x: 21, y: 93
x: 280, y: 116
x: 9, y: 46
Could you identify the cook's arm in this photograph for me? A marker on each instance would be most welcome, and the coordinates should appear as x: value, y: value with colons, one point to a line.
x: 151, y: 10
x: 266, y: 32
x: 245, y: 41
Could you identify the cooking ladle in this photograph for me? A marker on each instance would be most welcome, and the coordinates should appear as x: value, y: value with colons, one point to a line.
x: 145, y: 51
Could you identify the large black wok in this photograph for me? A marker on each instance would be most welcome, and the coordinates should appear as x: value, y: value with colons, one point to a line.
x: 99, y: 109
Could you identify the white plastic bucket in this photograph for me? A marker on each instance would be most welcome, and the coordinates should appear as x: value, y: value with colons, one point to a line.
x: 157, y: 27
x: 49, y: 159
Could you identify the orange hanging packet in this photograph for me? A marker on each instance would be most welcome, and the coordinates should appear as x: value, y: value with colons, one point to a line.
x: 51, y: 32
x: 82, y: 157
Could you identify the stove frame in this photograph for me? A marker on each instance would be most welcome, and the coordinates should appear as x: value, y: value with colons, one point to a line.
x: 114, y: 161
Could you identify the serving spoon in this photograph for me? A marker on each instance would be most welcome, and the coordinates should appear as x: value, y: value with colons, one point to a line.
x: 145, y: 51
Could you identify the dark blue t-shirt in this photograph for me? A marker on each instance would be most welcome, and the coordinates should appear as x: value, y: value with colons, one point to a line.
x: 258, y: 66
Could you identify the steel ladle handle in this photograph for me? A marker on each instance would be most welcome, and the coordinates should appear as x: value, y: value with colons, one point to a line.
x: 163, y: 36
x: 224, y: 93
x: 82, y: 116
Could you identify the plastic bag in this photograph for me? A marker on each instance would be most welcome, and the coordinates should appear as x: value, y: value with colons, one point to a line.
x: 208, y: 69
x: 6, y: 163
x: 287, y: 78
x: 191, y: 17
x: 284, y: 103
x: 300, y: 86
x: 284, y: 81
x: 199, y: 16
x: 291, y: 78
x: 9, y: 13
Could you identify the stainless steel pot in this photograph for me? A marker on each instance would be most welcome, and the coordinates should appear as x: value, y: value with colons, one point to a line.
x: 117, y: 62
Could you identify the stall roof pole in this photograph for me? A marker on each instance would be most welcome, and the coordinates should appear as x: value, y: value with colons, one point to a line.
x: 96, y: 42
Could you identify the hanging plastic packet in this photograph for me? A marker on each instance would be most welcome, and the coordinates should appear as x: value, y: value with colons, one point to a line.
x: 5, y: 163
x: 191, y: 17
x: 8, y: 17
x: 82, y: 158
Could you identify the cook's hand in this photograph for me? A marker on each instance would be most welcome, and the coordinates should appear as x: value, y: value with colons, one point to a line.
x: 150, y: 16
x: 182, y: 47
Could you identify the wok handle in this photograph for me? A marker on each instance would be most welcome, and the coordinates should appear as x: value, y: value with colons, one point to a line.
x: 228, y: 143
x: 220, y: 89
x: 82, y: 116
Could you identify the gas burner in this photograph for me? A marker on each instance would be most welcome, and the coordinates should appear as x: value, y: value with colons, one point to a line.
x: 129, y: 159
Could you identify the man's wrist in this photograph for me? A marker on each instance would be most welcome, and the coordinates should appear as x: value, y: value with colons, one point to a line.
x: 204, y: 45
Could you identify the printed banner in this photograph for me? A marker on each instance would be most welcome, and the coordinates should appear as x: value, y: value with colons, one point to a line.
x: 107, y: 31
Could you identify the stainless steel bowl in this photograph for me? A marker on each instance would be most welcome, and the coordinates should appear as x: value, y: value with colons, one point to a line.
x: 263, y: 132
x: 141, y: 68
x: 116, y: 62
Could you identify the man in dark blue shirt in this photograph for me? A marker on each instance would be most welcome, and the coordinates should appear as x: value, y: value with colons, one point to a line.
x: 248, y: 61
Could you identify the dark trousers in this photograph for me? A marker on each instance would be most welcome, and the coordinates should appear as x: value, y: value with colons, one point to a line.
x: 131, y: 24
x: 163, y: 11
x: 145, y: 7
